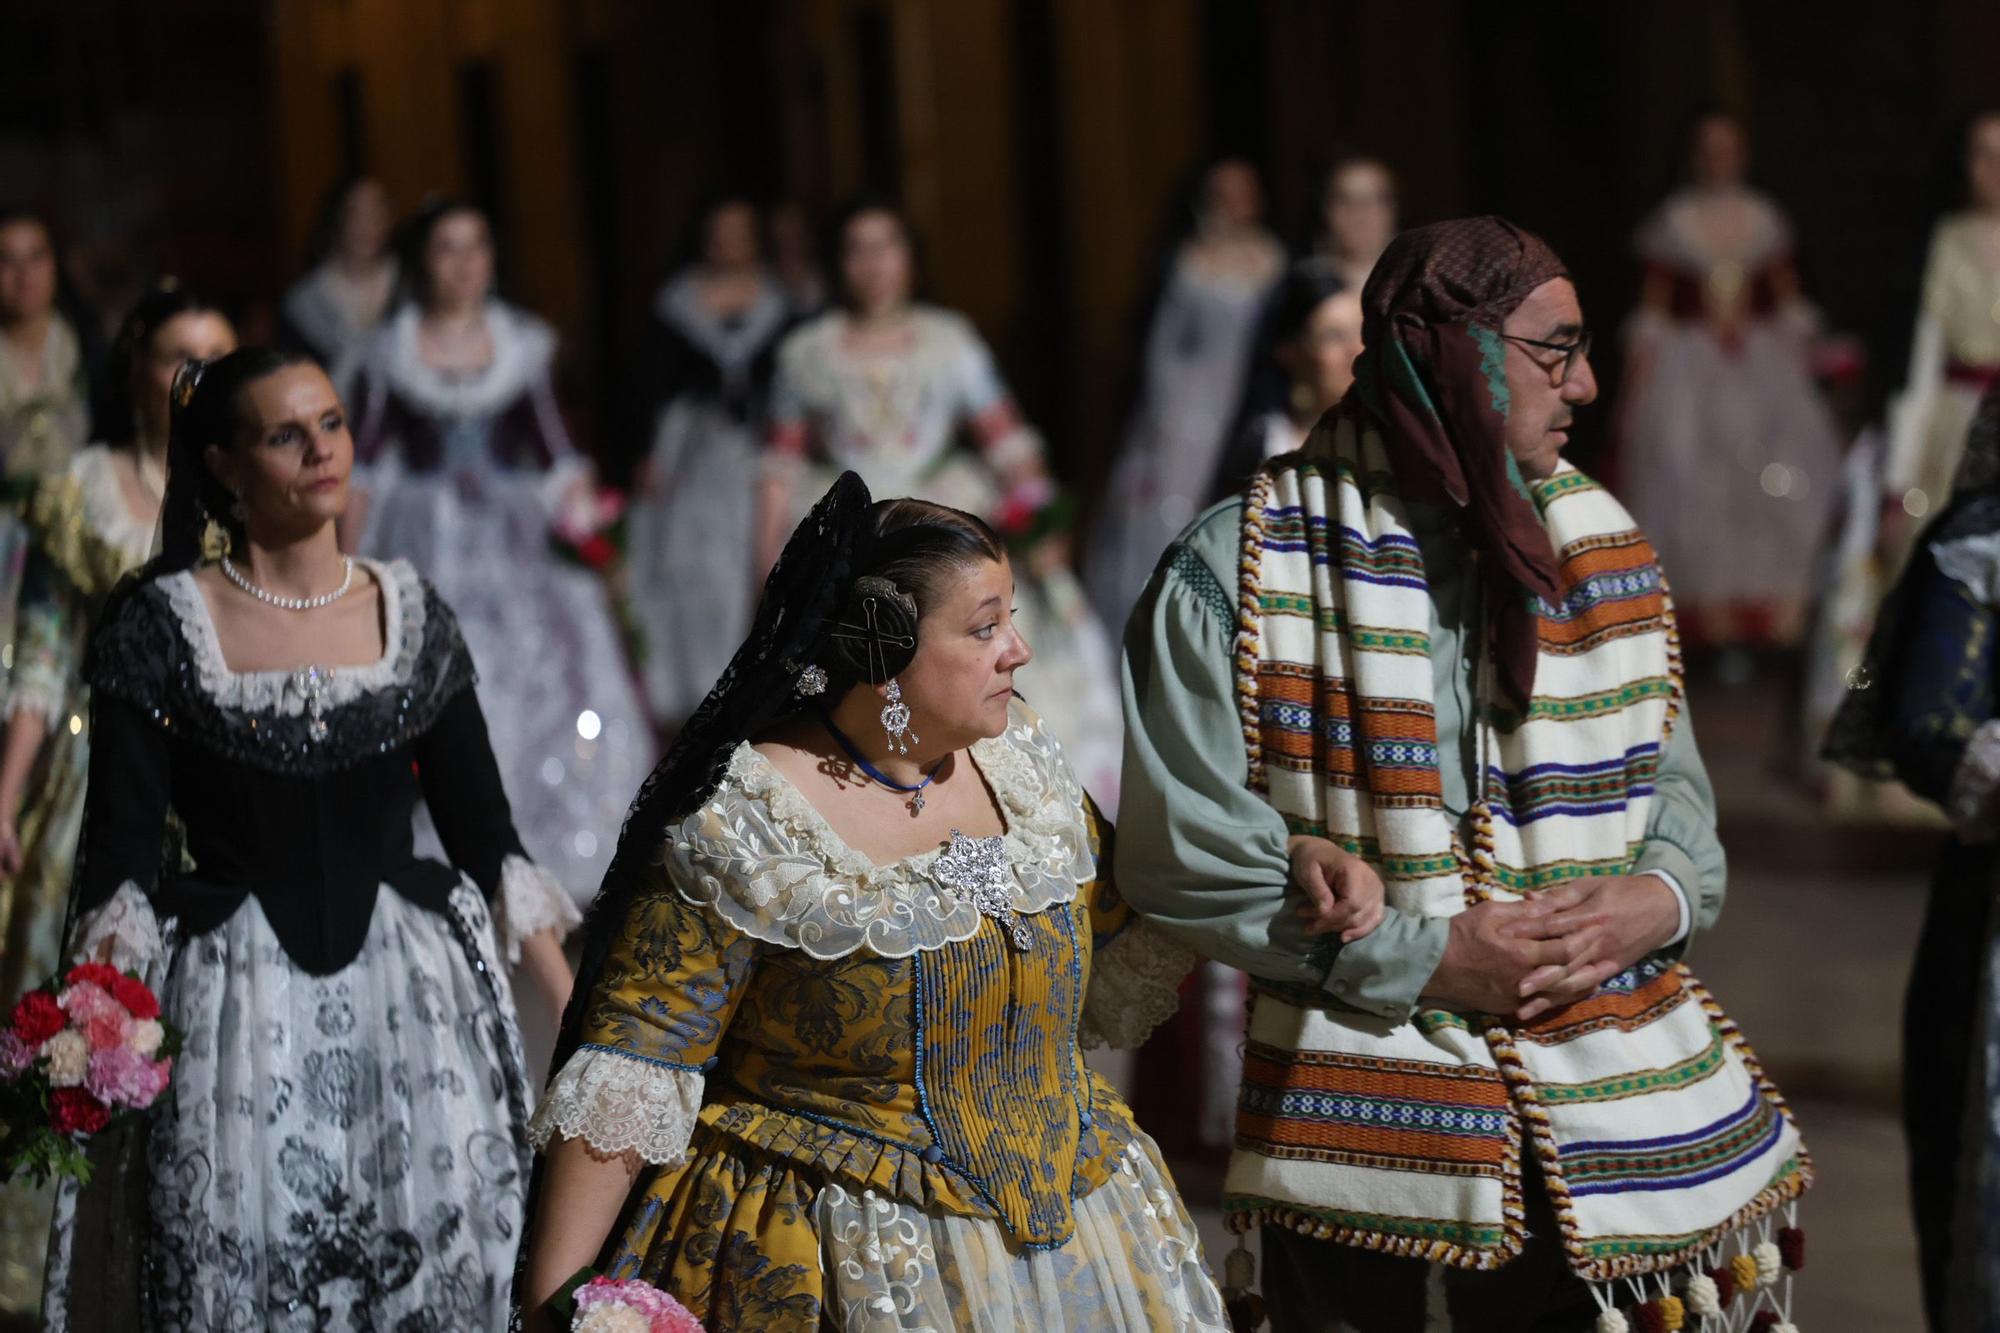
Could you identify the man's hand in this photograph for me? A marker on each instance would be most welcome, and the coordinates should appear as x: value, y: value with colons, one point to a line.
x: 1607, y: 925
x: 1492, y: 948
x: 1342, y: 891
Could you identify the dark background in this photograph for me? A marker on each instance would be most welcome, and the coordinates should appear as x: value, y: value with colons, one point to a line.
x: 1038, y: 144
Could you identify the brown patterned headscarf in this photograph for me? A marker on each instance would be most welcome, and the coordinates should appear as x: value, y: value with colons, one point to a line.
x: 1433, y: 374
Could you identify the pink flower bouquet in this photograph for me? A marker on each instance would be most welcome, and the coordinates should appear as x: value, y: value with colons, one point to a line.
x: 77, y: 1055
x: 607, y: 1305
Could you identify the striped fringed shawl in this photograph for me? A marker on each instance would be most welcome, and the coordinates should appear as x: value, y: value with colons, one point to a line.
x: 1655, y: 1130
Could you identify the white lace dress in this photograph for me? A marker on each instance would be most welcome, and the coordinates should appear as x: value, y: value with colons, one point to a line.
x: 464, y: 476
x: 344, y: 1143
x: 860, y: 1088
x: 901, y: 421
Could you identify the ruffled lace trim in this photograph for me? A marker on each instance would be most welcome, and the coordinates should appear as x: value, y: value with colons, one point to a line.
x: 1973, y: 561
x: 523, y: 349
x: 1973, y: 803
x: 1135, y: 984
x: 619, y: 1103
x: 279, y: 691
x: 39, y: 695
x: 770, y: 865
x: 530, y: 900
x: 127, y: 921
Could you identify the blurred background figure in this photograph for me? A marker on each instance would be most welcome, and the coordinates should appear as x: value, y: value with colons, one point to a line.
x: 1729, y: 454
x: 888, y: 386
x: 1955, y: 351
x: 795, y: 259
x: 1312, y: 335
x: 331, y: 310
x: 89, y: 525
x: 701, y: 396
x: 1216, y: 275
x: 465, y: 469
x: 1358, y: 217
x: 44, y: 390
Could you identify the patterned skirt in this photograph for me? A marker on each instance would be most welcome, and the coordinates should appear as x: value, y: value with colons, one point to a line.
x: 749, y: 1240
x: 345, y: 1151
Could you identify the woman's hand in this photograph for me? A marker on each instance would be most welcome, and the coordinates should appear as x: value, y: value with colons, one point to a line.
x: 1342, y: 891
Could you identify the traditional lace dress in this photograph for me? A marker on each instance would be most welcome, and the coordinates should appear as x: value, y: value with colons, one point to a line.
x: 1197, y: 362
x: 898, y: 420
x: 332, y: 316
x: 41, y: 425
x: 464, y: 475
x: 84, y: 539
x: 1954, y: 356
x: 344, y: 1144
x: 862, y: 1099
x: 1731, y: 457
x: 690, y: 535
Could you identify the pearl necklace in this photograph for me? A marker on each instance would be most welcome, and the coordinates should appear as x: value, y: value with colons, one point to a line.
x: 235, y: 576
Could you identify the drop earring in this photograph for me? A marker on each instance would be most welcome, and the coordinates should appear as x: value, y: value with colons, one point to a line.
x: 896, y: 721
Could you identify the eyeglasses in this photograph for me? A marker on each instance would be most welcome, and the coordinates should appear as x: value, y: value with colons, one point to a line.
x: 1572, y: 352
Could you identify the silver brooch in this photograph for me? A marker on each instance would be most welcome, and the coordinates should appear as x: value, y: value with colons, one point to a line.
x: 311, y: 683
x: 976, y: 870
x: 811, y: 681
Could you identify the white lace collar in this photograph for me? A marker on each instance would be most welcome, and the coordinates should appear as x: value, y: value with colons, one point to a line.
x: 283, y: 691
x: 770, y: 865
x: 523, y: 350
x: 104, y: 508
x: 733, y: 344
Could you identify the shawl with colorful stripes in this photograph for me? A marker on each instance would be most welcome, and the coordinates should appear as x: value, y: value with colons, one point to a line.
x: 1655, y: 1131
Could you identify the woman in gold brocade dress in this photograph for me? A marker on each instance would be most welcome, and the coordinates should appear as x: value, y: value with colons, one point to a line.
x: 826, y: 1069
x: 88, y: 526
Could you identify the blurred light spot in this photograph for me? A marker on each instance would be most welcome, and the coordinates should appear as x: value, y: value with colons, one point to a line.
x: 1776, y: 481
x: 75, y: 725
x: 1860, y: 678
x: 588, y: 724
x: 586, y: 843
x: 7, y: 656
x: 552, y: 771
x: 1915, y: 503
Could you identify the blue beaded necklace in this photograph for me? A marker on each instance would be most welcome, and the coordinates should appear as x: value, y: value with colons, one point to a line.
x: 916, y: 802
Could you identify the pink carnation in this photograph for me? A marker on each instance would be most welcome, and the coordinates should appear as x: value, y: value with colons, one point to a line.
x: 661, y: 1312
x: 107, y: 1031
x: 86, y: 1000
x: 120, y: 1076
x: 15, y: 1054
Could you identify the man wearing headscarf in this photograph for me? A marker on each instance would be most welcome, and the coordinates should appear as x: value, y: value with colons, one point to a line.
x: 1426, y: 648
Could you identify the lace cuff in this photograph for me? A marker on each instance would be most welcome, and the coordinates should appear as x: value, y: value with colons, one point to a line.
x: 1973, y: 802
x: 127, y: 921
x: 618, y: 1102
x: 530, y: 899
x: 1135, y: 984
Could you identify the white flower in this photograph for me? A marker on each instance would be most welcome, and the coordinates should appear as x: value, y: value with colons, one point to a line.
x: 610, y: 1318
x: 146, y: 1036
x: 68, y: 1055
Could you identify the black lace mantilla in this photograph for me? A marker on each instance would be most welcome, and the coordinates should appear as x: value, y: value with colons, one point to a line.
x: 141, y: 654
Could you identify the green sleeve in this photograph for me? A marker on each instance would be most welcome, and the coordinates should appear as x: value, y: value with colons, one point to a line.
x: 1198, y: 852
x: 1680, y: 831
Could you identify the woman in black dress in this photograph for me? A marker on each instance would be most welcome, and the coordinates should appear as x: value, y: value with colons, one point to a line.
x: 344, y: 1144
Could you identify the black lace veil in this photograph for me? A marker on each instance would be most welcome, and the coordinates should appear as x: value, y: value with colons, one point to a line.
x: 794, y: 620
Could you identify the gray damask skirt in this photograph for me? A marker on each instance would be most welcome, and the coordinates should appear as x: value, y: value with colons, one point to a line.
x: 345, y: 1151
